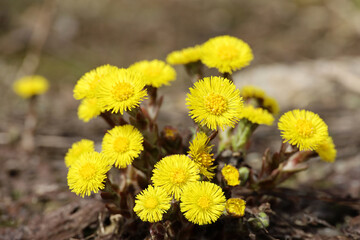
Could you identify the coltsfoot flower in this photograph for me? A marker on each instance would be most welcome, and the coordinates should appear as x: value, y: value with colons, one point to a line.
x: 202, y: 202
x: 184, y: 56
x: 327, y: 150
x: 226, y: 53
x: 249, y: 91
x: 121, y: 91
x: 272, y: 105
x: 257, y: 115
x: 199, y: 152
x: 214, y: 102
x: 156, y: 73
x: 122, y: 144
x: 231, y: 175
x: 29, y: 86
x: 235, y: 207
x: 77, y: 149
x: 152, y: 203
x: 86, y: 86
x: 303, y: 128
x: 88, y: 109
x: 88, y: 173
x: 173, y: 173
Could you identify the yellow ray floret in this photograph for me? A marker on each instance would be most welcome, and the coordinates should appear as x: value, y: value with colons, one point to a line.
x: 77, y: 149
x: 173, y: 173
x: 88, y: 109
x: 152, y: 203
x: 231, y: 175
x: 122, y: 144
x: 235, y: 207
x: 199, y: 152
x: 184, y: 56
x: 202, y: 202
x: 156, y: 73
x: 257, y: 115
x: 121, y: 91
x: 29, y: 86
x: 214, y: 102
x: 226, y: 53
x: 302, y: 128
x: 327, y: 150
x: 86, y: 86
x: 88, y: 174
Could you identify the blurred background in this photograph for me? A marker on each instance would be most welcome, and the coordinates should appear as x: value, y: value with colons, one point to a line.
x: 306, y: 56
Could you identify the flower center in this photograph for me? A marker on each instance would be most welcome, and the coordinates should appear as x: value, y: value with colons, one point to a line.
x: 121, y: 144
x: 227, y: 52
x: 178, y: 176
x: 122, y: 91
x: 87, y: 171
x: 151, y: 203
x: 304, y: 128
x: 215, y: 104
x: 205, y: 159
x: 203, y: 202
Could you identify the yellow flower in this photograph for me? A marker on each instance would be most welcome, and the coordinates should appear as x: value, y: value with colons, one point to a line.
x: 173, y: 173
x: 257, y: 115
x: 202, y: 202
x: 272, y: 105
x: 214, y: 102
x: 200, y: 154
x: 156, y: 73
x: 235, y: 207
x: 122, y: 145
x: 121, y: 91
x: 184, y: 56
x: 231, y: 175
x: 88, y: 109
x: 226, y: 53
x: 88, y: 173
x: 252, y: 92
x: 327, y: 150
x: 303, y: 128
x: 29, y: 86
x: 152, y: 203
x: 87, y: 84
x: 77, y: 149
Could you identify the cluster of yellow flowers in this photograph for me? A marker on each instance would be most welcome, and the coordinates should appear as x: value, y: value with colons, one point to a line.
x: 213, y: 102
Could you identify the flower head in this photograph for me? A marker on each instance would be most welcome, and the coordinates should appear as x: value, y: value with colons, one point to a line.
x: 249, y: 91
x: 235, y: 207
x: 122, y: 145
x: 202, y: 202
x: 88, y: 173
x: 87, y: 85
x: 231, y: 175
x: 257, y: 115
x: 29, y: 86
x: 88, y: 109
x: 215, y: 102
x: 156, y: 73
x: 327, y: 150
x: 226, y: 53
x: 77, y: 149
x: 152, y: 203
x: 184, y: 56
x: 303, y: 128
x: 121, y: 91
x: 173, y: 173
x: 200, y: 154
x: 272, y: 105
